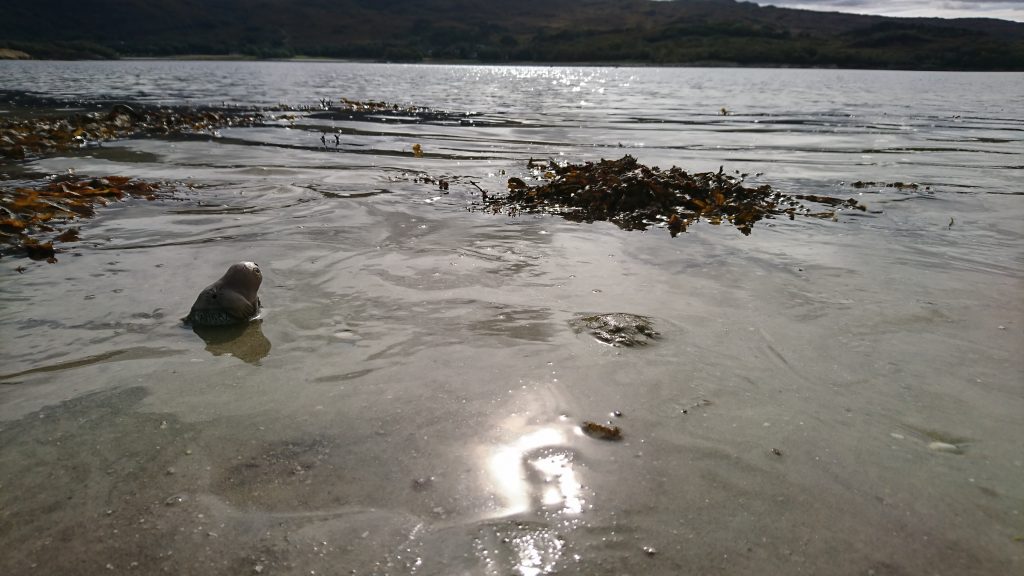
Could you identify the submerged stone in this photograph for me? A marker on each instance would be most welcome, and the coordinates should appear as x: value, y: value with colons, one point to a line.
x: 616, y: 328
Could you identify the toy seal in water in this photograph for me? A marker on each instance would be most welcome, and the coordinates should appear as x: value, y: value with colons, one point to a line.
x: 230, y: 300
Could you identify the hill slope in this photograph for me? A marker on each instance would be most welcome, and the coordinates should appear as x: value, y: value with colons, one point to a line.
x: 683, y: 32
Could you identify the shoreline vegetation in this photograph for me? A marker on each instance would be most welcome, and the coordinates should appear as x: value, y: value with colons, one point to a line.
x: 38, y: 211
x: 598, y: 32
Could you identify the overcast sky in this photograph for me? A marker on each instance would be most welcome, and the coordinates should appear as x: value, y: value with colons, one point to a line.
x: 1005, y: 9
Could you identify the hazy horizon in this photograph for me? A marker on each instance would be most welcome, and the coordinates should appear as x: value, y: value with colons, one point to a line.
x: 1002, y: 9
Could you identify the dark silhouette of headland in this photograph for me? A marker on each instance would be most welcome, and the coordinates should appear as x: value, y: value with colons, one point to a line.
x: 681, y: 32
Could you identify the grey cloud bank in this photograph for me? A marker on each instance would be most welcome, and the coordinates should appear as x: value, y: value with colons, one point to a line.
x: 1004, y: 9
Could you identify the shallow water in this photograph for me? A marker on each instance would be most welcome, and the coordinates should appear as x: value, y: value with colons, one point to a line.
x: 824, y: 397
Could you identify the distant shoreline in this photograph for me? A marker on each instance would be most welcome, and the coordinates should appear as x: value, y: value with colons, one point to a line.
x: 453, y: 62
x: 236, y: 57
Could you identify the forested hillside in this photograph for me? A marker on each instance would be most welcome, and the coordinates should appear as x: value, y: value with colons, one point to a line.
x: 625, y: 31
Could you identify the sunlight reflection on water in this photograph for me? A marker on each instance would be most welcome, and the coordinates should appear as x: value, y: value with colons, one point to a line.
x: 511, y: 465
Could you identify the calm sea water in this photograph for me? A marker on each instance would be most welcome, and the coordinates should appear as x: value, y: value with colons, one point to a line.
x: 839, y: 397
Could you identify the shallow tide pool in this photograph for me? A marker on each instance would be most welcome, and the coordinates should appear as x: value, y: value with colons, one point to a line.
x: 840, y: 397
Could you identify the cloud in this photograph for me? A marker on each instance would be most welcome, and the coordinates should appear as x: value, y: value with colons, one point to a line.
x: 1005, y: 9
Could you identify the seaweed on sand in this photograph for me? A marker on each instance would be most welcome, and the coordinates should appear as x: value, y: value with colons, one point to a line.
x: 33, y: 217
x: 634, y: 196
x: 28, y: 215
x: 20, y: 137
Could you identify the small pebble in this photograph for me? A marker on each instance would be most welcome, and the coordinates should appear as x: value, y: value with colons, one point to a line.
x: 422, y: 483
x: 649, y: 550
x: 944, y: 447
x: 174, y: 500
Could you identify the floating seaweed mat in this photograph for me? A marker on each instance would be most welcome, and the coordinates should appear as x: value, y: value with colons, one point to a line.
x: 370, y: 110
x: 378, y: 106
x: 634, y: 196
x: 20, y: 137
x: 30, y: 215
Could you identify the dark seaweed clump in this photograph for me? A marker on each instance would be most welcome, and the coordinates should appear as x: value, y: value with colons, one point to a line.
x: 33, y: 218
x: 634, y: 196
x: 22, y: 137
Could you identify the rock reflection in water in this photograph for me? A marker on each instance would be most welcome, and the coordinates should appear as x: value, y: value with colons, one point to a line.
x: 243, y: 341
